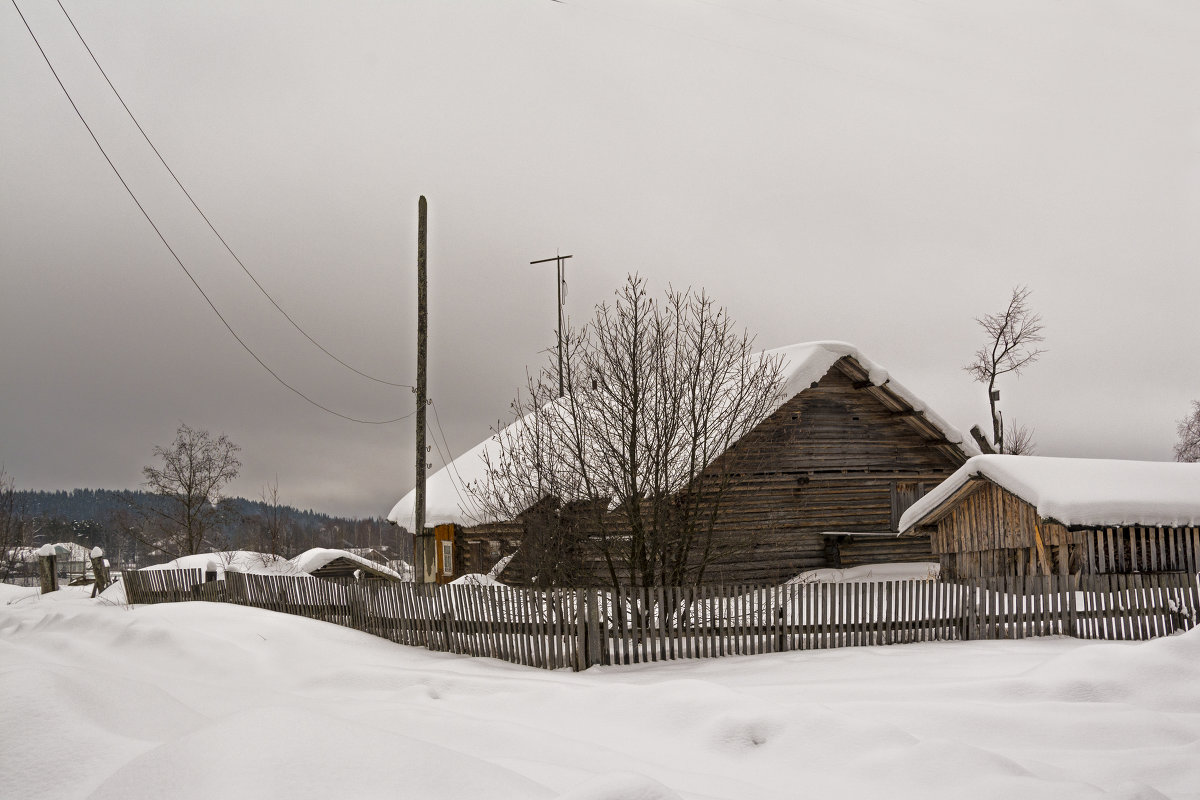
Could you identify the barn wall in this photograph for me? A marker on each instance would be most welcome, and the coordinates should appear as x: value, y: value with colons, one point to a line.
x: 839, y: 457
x: 855, y: 551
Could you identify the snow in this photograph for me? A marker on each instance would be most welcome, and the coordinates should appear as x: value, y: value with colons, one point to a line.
x: 97, y: 552
x: 447, y: 501
x: 1082, y: 491
x: 477, y: 579
x: 868, y: 573
x: 234, y: 561
x: 46, y: 550
x: 195, y: 700
x: 312, y: 560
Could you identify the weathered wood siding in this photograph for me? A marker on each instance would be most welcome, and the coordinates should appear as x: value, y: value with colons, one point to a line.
x: 988, y: 532
x: 481, y: 546
x: 855, y: 551
x: 842, y: 456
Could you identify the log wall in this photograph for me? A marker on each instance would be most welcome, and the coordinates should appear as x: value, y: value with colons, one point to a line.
x: 843, y: 456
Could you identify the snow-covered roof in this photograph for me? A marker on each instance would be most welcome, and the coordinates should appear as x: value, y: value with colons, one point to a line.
x: 446, y: 499
x: 312, y: 560
x: 235, y: 561
x: 1081, y: 491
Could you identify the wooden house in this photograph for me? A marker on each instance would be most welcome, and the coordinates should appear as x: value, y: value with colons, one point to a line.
x: 1003, y: 515
x: 823, y: 479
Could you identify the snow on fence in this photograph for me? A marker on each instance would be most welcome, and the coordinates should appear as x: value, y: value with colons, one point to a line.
x: 577, y: 628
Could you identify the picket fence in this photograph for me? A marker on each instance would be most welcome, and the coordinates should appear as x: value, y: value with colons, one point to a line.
x: 578, y: 628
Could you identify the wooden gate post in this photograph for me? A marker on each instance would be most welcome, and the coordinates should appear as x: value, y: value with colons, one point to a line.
x: 48, y: 568
x: 99, y: 571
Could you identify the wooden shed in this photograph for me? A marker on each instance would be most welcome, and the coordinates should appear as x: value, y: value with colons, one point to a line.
x: 1005, y: 515
x: 321, y: 562
x: 823, y: 479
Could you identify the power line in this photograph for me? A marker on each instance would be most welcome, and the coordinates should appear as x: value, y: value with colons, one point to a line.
x: 449, y: 472
x: 450, y: 465
x: 171, y: 250
x: 204, y: 216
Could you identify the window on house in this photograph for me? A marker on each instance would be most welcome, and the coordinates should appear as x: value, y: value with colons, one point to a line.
x: 447, y: 558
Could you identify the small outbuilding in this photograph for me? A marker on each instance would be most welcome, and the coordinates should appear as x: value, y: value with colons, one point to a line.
x: 321, y: 562
x: 1000, y: 515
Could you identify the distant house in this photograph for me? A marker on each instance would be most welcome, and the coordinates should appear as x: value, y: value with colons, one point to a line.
x: 1024, y: 515
x: 823, y: 479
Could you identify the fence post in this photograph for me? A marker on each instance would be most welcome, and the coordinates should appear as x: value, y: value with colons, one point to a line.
x: 597, y: 647
x: 47, y: 568
x: 99, y: 571
x: 581, y: 633
x: 1072, y: 584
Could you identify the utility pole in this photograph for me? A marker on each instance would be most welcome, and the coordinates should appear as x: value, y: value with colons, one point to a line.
x: 420, y: 545
x: 559, y: 261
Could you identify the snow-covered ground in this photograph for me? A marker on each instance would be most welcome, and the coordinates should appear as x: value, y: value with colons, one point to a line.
x: 199, y: 700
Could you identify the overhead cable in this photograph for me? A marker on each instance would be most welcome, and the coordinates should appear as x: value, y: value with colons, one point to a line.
x: 178, y: 260
x: 208, y: 222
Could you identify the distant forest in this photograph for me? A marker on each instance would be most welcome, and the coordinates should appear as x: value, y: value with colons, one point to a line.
x: 101, y: 517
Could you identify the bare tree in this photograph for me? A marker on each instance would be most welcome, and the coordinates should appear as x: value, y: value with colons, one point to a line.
x: 1011, y: 338
x: 1188, y: 446
x: 272, y: 522
x: 1019, y: 442
x: 188, y: 483
x: 15, y: 532
x: 620, y: 478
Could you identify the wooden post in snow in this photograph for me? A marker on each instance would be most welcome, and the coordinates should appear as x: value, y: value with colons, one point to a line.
x: 99, y: 571
x: 48, y: 568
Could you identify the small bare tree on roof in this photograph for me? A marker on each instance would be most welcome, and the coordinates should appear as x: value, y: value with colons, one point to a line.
x: 188, y: 483
x: 1188, y: 446
x: 1012, y: 338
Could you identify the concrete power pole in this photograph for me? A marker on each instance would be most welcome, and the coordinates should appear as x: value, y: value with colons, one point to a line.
x: 420, y: 541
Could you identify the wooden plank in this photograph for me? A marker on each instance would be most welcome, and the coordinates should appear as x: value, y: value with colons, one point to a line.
x: 532, y: 627
x: 504, y: 623
x: 1153, y: 591
x: 823, y: 617
x: 638, y: 594
x: 870, y: 612
x: 1109, y: 602
x: 664, y: 632
x: 1128, y: 588
x: 739, y: 612
x: 888, y: 613
x: 750, y: 624
x: 671, y: 621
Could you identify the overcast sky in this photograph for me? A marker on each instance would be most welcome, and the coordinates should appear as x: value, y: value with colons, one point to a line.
x: 875, y: 171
